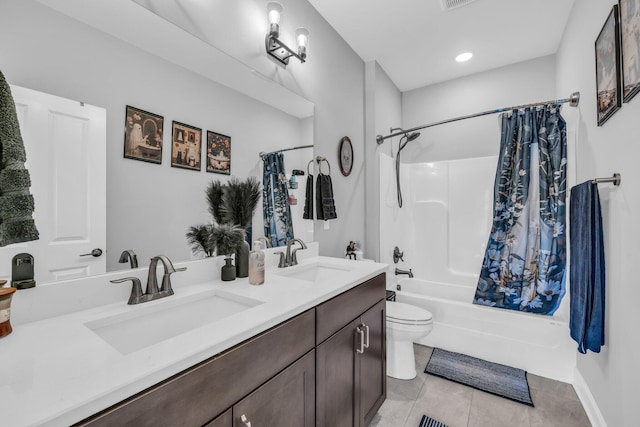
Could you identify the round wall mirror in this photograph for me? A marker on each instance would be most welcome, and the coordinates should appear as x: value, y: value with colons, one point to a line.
x: 345, y: 156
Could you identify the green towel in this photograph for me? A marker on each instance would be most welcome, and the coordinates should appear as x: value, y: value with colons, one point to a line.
x: 16, y: 202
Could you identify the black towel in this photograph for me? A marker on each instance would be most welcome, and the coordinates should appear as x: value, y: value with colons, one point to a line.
x: 326, y: 208
x: 16, y: 214
x: 308, y: 199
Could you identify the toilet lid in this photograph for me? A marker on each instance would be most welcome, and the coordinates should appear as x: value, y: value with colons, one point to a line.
x: 400, y: 312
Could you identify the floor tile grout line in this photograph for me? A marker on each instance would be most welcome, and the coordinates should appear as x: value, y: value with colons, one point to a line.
x: 406, y: 421
x: 473, y: 395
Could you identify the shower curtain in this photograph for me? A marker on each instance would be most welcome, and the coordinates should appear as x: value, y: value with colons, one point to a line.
x: 524, y: 263
x: 278, y: 226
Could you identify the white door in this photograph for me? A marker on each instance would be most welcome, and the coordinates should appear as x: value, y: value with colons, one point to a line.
x: 65, y: 142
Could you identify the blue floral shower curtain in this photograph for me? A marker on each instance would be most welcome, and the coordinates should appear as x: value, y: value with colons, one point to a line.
x: 524, y: 263
x: 278, y: 227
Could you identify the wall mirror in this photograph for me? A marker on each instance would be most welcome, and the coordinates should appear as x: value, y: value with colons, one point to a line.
x: 150, y: 206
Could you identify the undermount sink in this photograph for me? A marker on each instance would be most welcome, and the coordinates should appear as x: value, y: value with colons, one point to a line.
x: 144, y: 326
x: 316, y: 272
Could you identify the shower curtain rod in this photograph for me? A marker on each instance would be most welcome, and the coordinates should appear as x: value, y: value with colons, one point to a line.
x: 573, y: 100
x: 262, y: 154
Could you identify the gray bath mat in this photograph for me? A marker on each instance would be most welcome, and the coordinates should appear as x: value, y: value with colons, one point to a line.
x: 493, y: 378
x: 430, y: 422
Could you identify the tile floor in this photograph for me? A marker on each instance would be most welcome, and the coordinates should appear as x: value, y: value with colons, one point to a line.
x: 556, y: 403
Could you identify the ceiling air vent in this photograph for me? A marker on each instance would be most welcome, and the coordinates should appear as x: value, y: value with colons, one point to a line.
x: 454, y: 4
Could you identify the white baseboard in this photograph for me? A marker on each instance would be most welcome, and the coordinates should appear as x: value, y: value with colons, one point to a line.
x: 587, y: 400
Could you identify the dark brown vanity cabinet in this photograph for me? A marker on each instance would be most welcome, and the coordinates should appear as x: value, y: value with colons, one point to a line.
x: 324, y: 368
x: 350, y: 363
x: 201, y: 393
x: 288, y: 400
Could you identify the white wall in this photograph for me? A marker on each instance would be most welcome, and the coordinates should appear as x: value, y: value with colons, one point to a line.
x: 383, y: 103
x: 46, y: 51
x: 522, y: 83
x: 613, y: 374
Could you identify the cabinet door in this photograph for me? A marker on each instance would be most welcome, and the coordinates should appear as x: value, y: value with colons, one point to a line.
x: 373, y: 387
x: 287, y: 400
x: 336, y: 365
x: 224, y: 420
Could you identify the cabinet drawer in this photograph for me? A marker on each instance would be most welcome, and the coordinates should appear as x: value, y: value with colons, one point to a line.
x: 199, y: 394
x: 332, y: 315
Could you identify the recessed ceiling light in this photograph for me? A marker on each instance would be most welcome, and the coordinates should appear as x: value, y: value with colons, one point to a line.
x: 463, y: 57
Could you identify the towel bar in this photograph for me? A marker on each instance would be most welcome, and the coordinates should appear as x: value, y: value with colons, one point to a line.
x: 616, y: 179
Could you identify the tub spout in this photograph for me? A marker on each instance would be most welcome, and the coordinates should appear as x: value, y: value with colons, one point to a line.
x: 409, y: 273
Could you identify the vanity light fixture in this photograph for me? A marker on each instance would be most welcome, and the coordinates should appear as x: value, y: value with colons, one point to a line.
x: 278, y: 49
x: 464, y: 57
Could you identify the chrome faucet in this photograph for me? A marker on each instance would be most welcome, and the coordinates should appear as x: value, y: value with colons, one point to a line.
x: 129, y: 255
x: 152, y: 292
x: 409, y: 273
x: 290, y: 258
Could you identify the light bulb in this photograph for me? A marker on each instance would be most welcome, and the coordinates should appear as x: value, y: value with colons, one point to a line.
x: 302, y: 39
x: 463, y: 57
x: 274, y: 12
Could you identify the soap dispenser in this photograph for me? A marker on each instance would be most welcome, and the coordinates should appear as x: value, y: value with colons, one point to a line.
x: 256, y: 264
x: 5, y: 309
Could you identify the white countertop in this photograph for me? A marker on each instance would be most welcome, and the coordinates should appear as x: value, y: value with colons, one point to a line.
x: 56, y: 371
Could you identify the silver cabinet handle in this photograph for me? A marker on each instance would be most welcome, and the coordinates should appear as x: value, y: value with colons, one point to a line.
x: 366, y: 327
x: 245, y: 420
x: 361, y: 333
x: 94, y: 253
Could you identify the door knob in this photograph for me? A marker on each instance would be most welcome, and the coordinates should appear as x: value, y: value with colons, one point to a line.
x: 245, y: 420
x: 94, y: 253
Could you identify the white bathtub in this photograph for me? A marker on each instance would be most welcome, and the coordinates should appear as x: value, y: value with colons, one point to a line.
x: 538, y: 344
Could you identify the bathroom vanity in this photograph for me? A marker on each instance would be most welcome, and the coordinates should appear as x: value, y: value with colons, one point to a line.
x: 271, y: 378
x: 307, y: 348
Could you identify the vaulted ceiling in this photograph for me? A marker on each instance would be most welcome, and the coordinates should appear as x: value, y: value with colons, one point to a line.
x: 416, y: 41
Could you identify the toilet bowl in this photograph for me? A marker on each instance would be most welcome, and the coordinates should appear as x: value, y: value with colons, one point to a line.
x: 405, y: 324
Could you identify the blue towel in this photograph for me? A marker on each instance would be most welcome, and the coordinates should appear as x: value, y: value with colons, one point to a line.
x: 587, y: 279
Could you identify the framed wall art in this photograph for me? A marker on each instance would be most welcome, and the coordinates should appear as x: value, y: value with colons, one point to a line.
x: 143, y: 135
x: 186, y: 146
x: 608, y: 84
x: 630, y: 43
x: 218, y: 153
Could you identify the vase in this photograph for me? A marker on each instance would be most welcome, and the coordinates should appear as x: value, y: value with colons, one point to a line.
x: 228, y: 271
x: 242, y: 260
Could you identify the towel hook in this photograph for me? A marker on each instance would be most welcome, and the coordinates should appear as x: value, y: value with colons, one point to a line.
x: 309, y: 164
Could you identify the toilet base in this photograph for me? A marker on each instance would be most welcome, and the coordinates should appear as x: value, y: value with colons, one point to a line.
x: 401, y: 362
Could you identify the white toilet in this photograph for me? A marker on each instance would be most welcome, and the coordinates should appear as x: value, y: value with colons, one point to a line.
x: 405, y: 324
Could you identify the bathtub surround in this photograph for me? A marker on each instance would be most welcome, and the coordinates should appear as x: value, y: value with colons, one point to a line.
x: 587, y: 309
x: 501, y: 380
x: 16, y: 202
x: 524, y: 262
x: 437, y: 200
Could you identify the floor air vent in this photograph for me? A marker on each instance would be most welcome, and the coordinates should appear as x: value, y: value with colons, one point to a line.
x: 454, y: 4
